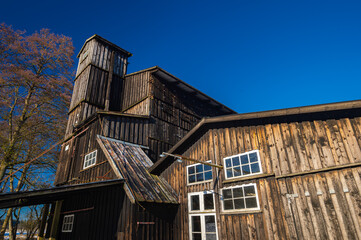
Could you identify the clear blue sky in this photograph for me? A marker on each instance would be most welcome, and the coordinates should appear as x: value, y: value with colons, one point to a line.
x: 250, y: 55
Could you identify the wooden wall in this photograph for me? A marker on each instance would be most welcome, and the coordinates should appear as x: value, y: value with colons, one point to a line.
x: 317, y: 160
x: 70, y: 167
x: 100, y: 220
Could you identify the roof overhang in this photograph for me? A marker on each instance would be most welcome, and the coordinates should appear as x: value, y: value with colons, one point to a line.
x: 49, y: 195
x: 95, y: 36
x: 167, y: 77
x: 307, y: 113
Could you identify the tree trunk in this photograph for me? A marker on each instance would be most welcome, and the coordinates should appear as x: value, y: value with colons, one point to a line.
x: 3, y: 168
x: 5, y: 224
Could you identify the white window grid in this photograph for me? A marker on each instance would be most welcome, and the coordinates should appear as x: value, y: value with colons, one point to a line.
x: 201, y: 201
x: 238, y: 170
x: 203, y: 231
x: 244, y: 197
x: 205, y: 173
x: 68, y: 222
x: 90, y: 159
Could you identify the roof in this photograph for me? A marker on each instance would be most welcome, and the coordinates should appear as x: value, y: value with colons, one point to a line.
x: 48, y: 195
x: 166, y: 76
x: 95, y: 36
x: 322, y: 111
x: 130, y: 163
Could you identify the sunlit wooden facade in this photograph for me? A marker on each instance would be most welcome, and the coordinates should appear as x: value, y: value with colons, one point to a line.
x: 304, y: 184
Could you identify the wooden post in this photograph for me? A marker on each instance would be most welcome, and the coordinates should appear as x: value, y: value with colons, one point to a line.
x: 110, y: 80
x: 43, y: 222
x: 55, y: 222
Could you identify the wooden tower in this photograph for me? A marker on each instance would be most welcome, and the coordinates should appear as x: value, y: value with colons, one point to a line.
x: 101, y: 68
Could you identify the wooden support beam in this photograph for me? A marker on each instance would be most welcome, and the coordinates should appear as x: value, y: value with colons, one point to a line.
x: 44, y: 217
x: 55, y: 222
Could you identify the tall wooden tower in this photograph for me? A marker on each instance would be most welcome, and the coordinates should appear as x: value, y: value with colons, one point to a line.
x: 101, y: 68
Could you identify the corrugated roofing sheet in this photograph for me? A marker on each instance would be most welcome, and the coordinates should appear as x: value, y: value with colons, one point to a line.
x: 131, y: 163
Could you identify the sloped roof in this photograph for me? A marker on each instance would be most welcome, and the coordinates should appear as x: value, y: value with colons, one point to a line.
x: 130, y: 163
x: 49, y: 195
x: 166, y: 76
x: 322, y: 111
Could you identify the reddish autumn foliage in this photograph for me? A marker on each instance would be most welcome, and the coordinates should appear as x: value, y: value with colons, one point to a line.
x: 35, y: 90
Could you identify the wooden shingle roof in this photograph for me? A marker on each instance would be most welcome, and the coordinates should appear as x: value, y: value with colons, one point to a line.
x: 130, y: 163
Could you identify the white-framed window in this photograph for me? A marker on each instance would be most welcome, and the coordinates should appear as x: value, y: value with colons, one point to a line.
x: 202, y: 219
x: 201, y: 201
x: 90, y: 159
x: 203, y: 226
x: 68, y: 222
x: 243, y: 164
x: 198, y: 173
x: 240, y: 198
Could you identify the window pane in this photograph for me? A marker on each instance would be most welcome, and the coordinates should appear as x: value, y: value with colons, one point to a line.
x: 211, y: 236
x: 199, y: 168
x: 196, y: 223
x: 192, y: 178
x: 253, y: 157
x: 251, y: 202
x: 239, y: 203
x: 244, y: 159
x: 208, y: 201
x: 207, y: 167
x: 191, y: 170
x: 210, y: 223
x: 228, y: 163
x: 208, y: 175
x: 255, y: 168
x: 229, y: 173
x: 237, y: 171
x: 249, y: 191
x: 235, y: 161
x: 196, y: 236
x: 245, y: 169
x: 227, y: 193
x: 195, y: 202
x: 200, y: 177
x: 237, y: 192
x: 228, y: 204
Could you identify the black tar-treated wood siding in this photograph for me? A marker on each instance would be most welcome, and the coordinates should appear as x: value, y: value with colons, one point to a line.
x: 100, y: 221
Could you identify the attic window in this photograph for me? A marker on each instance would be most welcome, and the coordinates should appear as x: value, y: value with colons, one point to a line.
x: 244, y: 164
x: 90, y: 159
x: 198, y: 173
x: 68, y: 223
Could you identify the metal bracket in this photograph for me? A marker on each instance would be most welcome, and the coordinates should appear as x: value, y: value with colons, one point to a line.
x: 290, y: 196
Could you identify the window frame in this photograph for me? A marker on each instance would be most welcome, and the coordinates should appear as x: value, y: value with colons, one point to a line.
x: 203, y: 225
x: 244, y: 197
x: 240, y: 165
x: 204, y: 181
x: 85, y: 161
x: 201, y: 202
x: 71, y: 224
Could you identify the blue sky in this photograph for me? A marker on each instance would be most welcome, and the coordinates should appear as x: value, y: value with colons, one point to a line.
x: 249, y: 55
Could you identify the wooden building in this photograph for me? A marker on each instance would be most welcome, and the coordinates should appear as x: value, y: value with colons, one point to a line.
x: 286, y: 174
x: 118, y: 125
x: 282, y: 174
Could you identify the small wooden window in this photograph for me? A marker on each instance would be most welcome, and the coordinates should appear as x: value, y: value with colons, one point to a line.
x: 198, y: 173
x: 201, y: 207
x: 68, y: 222
x: 244, y: 164
x: 203, y: 226
x: 90, y: 159
x: 201, y: 201
x: 240, y: 198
